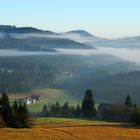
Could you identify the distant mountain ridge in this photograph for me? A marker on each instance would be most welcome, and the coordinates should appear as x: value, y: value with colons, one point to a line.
x: 14, y: 29
x: 34, y: 40
x: 86, y: 39
x: 83, y: 33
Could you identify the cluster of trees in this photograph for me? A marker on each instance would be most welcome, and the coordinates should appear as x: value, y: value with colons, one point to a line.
x: 136, y: 110
x: 126, y: 112
x: 58, y: 111
x: 24, y: 80
x: 120, y: 112
x: 87, y: 109
x: 136, y: 115
x: 16, y: 115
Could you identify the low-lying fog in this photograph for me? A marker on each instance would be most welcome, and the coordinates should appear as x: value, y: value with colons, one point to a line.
x: 12, y: 52
x: 126, y: 54
x: 74, y: 37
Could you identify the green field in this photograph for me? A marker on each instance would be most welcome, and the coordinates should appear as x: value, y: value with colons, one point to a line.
x: 55, y: 122
x: 58, y: 120
x: 69, y: 120
x: 47, y: 96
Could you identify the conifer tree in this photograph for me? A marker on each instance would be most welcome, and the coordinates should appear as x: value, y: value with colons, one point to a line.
x: 57, y: 110
x: 65, y: 109
x: 6, y: 110
x: 52, y: 110
x: 88, y: 109
x: 24, y: 117
x: 45, y: 112
x: 128, y: 101
x: 78, y: 111
x: 16, y: 114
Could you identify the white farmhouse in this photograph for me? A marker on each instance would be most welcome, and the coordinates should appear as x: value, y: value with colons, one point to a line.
x: 26, y: 101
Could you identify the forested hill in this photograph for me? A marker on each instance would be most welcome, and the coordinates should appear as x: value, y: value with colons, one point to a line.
x: 13, y: 29
x: 40, y: 44
x: 32, y: 39
x: 107, y: 87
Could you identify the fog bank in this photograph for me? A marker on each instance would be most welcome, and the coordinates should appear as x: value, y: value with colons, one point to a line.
x: 125, y: 54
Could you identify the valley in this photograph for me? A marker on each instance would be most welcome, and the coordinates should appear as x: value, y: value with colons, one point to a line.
x: 70, y: 70
x: 37, y: 59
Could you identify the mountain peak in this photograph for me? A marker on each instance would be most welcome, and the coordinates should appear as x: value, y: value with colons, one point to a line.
x: 82, y: 33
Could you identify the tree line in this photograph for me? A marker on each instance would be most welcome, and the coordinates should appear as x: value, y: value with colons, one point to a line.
x: 121, y: 112
x: 16, y: 115
x: 86, y: 110
x: 136, y: 110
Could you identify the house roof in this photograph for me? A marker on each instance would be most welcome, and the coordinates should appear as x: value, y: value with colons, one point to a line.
x: 105, y: 105
x: 35, y: 96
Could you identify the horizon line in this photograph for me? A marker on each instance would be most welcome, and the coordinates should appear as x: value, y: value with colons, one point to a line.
x: 61, y: 32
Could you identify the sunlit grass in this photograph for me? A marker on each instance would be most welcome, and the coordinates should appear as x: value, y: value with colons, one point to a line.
x: 47, y: 96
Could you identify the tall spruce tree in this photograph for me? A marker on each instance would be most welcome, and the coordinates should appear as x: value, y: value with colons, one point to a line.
x: 15, y: 114
x: 128, y: 101
x: 78, y: 111
x: 65, y: 109
x: 6, y: 110
x: 45, y: 112
x: 57, y: 110
x: 88, y: 109
x: 24, y: 117
x: 52, y: 110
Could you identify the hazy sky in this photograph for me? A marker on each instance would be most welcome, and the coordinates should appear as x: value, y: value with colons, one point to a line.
x: 104, y: 18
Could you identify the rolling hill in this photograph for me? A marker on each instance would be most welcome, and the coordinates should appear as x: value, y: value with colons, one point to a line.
x: 32, y: 39
x: 82, y: 33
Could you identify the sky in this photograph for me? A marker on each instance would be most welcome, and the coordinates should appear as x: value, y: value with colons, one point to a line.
x: 103, y: 18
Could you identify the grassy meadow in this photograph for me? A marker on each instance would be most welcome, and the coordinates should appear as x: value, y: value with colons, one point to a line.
x: 47, y: 96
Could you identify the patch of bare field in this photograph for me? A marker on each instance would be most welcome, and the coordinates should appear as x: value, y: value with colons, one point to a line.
x: 75, y: 131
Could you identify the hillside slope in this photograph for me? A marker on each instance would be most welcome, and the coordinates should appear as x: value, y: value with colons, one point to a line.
x: 77, y: 130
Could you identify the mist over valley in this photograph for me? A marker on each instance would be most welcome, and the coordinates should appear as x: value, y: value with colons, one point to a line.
x: 73, y: 61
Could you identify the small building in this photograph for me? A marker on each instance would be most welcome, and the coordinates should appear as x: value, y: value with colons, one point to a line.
x: 31, y: 99
x: 103, y: 107
x: 26, y: 101
x: 115, y: 112
x: 35, y: 97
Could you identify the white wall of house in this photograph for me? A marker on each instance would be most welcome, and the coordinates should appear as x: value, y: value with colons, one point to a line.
x: 28, y: 101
